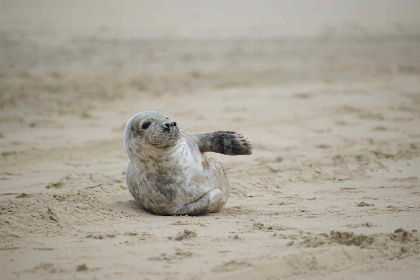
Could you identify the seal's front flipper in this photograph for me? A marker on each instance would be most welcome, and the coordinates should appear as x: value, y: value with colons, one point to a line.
x: 210, y: 202
x: 223, y: 142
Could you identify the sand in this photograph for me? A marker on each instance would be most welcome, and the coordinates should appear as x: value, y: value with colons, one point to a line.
x: 331, y: 191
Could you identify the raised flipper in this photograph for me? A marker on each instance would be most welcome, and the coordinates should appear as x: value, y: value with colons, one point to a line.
x: 210, y: 202
x: 223, y: 142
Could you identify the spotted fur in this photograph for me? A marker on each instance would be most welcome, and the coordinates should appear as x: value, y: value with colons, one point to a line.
x: 169, y: 172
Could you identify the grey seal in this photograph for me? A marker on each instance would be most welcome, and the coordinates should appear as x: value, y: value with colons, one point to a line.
x: 170, y: 173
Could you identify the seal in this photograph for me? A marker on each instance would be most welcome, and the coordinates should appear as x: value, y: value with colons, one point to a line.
x: 170, y: 173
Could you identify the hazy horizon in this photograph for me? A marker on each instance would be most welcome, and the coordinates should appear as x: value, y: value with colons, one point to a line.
x: 210, y: 19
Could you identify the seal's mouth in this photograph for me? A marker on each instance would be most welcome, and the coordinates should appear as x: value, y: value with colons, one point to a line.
x: 166, y: 139
x: 172, y: 142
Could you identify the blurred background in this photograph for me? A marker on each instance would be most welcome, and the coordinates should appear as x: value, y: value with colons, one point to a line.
x: 205, y: 36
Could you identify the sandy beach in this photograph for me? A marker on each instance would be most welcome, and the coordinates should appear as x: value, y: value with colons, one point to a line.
x: 331, y: 190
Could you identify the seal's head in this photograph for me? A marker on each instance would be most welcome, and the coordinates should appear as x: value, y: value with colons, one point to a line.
x: 150, y: 132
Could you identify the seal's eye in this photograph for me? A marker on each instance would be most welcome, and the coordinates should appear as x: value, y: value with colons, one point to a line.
x: 145, y: 125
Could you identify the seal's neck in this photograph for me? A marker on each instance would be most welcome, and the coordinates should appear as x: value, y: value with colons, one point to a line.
x: 161, y: 157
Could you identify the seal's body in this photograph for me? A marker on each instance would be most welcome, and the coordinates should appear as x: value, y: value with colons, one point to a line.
x: 168, y: 172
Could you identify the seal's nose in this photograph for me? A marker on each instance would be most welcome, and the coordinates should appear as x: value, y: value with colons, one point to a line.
x: 169, y: 124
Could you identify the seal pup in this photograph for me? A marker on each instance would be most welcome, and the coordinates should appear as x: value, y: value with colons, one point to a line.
x: 169, y: 172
